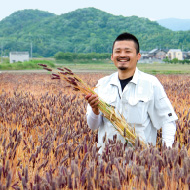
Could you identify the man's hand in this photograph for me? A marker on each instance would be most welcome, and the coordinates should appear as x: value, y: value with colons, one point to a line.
x: 93, y: 102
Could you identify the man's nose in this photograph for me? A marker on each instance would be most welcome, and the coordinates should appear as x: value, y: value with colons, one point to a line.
x: 122, y: 53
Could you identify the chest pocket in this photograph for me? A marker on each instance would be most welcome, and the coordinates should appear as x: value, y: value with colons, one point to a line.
x: 135, y: 110
x: 111, y: 100
x: 109, y: 95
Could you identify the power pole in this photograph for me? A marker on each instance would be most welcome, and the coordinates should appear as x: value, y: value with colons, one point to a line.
x: 1, y: 52
x: 31, y: 50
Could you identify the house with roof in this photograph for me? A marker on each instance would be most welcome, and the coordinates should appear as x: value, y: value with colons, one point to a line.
x: 157, y: 54
x: 144, y: 54
x: 18, y: 56
x: 186, y: 54
x: 175, y: 53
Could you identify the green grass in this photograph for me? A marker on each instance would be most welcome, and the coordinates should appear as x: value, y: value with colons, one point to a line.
x: 29, y: 65
x: 105, y: 66
x: 160, y: 68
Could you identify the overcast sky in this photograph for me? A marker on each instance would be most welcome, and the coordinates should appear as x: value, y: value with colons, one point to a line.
x: 152, y: 9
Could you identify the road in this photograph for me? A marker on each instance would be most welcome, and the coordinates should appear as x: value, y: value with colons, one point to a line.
x: 45, y: 72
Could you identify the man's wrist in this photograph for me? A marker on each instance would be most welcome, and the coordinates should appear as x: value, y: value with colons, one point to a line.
x: 96, y: 111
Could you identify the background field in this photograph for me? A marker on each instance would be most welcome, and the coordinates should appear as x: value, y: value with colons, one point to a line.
x: 94, y: 66
x: 155, y: 68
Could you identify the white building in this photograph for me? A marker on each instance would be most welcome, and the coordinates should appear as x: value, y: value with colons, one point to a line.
x: 18, y: 56
x: 175, y: 53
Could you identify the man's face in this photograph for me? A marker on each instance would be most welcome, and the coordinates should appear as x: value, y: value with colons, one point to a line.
x: 125, y: 56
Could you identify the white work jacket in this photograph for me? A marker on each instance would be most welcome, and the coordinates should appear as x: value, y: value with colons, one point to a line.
x: 143, y: 103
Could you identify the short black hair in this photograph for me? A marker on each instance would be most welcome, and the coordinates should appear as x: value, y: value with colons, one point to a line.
x: 128, y: 37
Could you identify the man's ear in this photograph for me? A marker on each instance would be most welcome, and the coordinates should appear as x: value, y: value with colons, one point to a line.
x: 112, y: 57
x: 139, y: 56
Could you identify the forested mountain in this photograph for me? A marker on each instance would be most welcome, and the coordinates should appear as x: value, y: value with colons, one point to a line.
x: 175, y: 24
x: 81, y: 31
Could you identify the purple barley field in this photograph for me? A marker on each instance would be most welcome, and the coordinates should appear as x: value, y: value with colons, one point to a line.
x: 45, y: 143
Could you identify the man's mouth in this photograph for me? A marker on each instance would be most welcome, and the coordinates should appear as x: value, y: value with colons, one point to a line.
x: 123, y: 59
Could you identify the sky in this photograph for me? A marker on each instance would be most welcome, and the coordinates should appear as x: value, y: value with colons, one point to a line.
x: 152, y: 9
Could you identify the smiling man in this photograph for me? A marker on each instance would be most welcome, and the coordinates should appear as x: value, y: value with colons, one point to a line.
x: 138, y: 96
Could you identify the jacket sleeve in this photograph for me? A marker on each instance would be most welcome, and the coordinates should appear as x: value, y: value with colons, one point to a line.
x: 168, y: 133
x: 93, y: 120
x: 160, y: 109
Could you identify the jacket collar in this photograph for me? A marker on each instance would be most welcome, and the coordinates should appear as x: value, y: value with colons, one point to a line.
x: 115, y: 78
x: 135, y: 76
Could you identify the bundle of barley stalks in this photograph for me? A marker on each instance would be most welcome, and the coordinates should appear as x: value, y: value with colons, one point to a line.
x: 117, y: 120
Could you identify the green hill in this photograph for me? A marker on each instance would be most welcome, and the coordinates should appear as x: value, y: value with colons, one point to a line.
x: 82, y: 31
x: 21, y: 21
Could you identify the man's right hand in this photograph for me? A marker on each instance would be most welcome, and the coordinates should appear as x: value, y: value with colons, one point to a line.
x: 93, y: 102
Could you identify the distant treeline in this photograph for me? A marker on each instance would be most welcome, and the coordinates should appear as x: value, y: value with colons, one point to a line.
x: 100, y: 56
x: 81, y: 56
x: 175, y: 61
